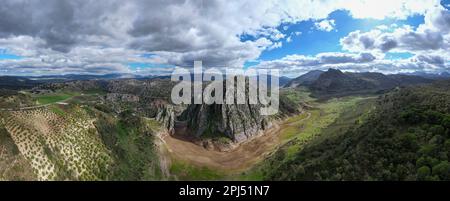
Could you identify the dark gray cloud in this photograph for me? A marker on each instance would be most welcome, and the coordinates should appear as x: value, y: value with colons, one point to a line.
x: 338, y: 58
x: 61, y: 24
x: 322, y: 59
x: 430, y: 59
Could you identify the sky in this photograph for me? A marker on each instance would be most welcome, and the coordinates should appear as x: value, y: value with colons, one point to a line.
x: 53, y: 37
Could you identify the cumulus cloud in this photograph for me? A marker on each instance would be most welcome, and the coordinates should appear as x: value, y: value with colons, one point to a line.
x: 436, y: 60
x: 429, y: 43
x: 103, y: 36
x: 433, y: 35
x: 325, y: 25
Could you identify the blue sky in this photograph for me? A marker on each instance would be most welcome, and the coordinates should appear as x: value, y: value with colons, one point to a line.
x: 5, y: 55
x: 350, y: 35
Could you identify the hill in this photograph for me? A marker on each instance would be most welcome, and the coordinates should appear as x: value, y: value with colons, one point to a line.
x: 407, y: 137
x: 72, y: 142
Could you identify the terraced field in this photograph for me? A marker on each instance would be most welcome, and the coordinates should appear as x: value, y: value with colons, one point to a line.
x: 59, y: 148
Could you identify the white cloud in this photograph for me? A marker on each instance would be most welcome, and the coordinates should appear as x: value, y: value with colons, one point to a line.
x: 275, y: 45
x: 289, y: 39
x: 325, y: 25
x: 382, y: 27
x: 432, y: 37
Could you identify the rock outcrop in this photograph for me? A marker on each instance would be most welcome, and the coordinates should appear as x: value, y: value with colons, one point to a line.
x: 238, y: 122
x: 116, y: 97
x: 166, y: 116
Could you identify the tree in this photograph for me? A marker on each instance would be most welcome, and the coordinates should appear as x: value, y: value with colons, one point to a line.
x: 442, y: 170
x: 433, y: 117
x: 447, y: 145
x: 423, y: 172
x: 437, y: 130
x: 446, y: 121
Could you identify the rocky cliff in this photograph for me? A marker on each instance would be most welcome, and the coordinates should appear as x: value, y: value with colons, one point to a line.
x: 166, y: 116
x: 238, y: 122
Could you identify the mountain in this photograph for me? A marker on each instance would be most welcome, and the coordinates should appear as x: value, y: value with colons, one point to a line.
x: 337, y: 83
x: 442, y: 75
x: 305, y: 79
x: 283, y: 80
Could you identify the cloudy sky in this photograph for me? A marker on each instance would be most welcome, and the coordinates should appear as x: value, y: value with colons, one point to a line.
x: 153, y: 36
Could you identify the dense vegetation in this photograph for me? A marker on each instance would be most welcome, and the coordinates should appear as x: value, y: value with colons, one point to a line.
x: 130, y: 138
x: 406, y: 138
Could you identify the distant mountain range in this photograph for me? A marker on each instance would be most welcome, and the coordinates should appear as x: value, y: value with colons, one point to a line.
x: 442, y: 75
x: 71, y: 77
x: 26, y: 82
x: 323, y: 81
x: 337, y: 83
x: 14, y: 83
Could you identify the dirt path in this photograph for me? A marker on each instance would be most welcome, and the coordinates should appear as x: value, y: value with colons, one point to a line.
x: 239, y: 159
x: 164, y: 160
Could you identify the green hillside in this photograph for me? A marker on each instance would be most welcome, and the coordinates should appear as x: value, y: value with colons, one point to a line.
x: 406, y: 138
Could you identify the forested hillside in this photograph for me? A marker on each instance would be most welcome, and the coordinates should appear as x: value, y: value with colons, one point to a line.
x: 407, y: 137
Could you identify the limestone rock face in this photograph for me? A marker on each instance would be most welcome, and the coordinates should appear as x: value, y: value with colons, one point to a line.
x: 238, y: 122
x: 166, y: 116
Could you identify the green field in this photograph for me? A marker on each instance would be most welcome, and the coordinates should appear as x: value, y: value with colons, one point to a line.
x: 184, y: 171
x: 54, y: 98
